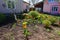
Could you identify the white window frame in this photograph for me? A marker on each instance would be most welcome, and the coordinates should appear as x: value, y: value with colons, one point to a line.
x: 7, y: 4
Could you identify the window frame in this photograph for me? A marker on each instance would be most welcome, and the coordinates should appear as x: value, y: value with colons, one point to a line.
x: 11, y: 4
x: 53, y: 0
x: 54, y: 8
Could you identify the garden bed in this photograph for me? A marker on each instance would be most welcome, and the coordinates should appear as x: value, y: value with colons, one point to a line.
x: 33, y: 26
x: 40, y: 33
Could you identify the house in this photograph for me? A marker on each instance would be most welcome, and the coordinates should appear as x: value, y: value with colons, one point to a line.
x: 25, y: 6
x: 39, y: 6
x: 10, y: 6
x: 51, y: 6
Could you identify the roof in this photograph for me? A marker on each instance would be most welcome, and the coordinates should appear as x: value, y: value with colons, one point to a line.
x: 40, y: 4
x: 26, y: 2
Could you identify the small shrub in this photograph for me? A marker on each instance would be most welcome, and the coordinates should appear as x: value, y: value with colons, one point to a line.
x: 2, y: 18
x: 47, y: 23
x: 34, y: 14
x: 28, y: 16
x: 58, y: 32
x: 53, y: 20
x: 59, y: 21
x: 42, y: 18
x: 39, y: 19
x: 48, y: 30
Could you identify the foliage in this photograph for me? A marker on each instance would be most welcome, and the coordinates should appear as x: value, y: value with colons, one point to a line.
x: 24, y: 23
x: 58, y: 32
x: 11, y: 17
x: 26, y: 32
x: 27, y: 16
x: 48, y: 30
x: 34, y: 14
x: 2, y: 18
x: 59, y: 20
x: 53, y: 20
x: 20, y: 16
x: 47, y: 23
x: 42, y: 18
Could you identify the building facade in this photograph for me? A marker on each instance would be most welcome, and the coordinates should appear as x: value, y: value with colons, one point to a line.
x: 10, y: 6
x: 26, y: 6
x: 39, y: 6
x: 51, y: 6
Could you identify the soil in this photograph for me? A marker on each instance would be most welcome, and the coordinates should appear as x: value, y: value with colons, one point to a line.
x: 39, y: 33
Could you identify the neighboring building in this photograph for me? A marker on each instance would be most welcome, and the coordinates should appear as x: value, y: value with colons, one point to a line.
x: 51, y: 6
x: 10, y: 6
x: 25, y: 6
x: 39, y: 6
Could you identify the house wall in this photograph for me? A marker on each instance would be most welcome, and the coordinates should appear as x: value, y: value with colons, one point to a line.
x: 48, y: 7
x: 5, y: 9
x: 25, y: 6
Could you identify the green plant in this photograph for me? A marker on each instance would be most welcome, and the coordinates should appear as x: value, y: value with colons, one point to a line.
x: 26, y: 32
x: 53, y: 20
x: 34, y: 14
x: 47, y: 23
x: 59, y: 21
x: 39, y: 19
x: 42, y: 18
x: 58, y: 32
x: 48, y: 30
x: 2, y: 18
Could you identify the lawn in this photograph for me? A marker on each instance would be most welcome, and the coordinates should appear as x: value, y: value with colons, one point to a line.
x: 34, y: 26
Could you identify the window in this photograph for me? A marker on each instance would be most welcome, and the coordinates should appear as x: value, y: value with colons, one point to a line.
x: 54, y: 8
x: 10, y: 4
x: 53, y: 0
x: 57, y: 0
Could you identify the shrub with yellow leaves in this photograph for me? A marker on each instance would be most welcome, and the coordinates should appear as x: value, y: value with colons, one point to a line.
x: 47, y: 23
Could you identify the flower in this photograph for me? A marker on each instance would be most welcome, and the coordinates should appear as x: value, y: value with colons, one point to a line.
x: 24, y: 25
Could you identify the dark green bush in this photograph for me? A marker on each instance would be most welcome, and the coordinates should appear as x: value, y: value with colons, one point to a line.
x: 20, y: 16
x: 2, y: 18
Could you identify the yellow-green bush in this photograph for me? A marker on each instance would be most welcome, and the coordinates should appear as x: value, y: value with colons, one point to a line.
x: 47, y: 23
x: 53, y: 20
x: 34, y: 14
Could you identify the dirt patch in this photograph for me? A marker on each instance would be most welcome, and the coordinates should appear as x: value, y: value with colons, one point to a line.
x: 39, y: 33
